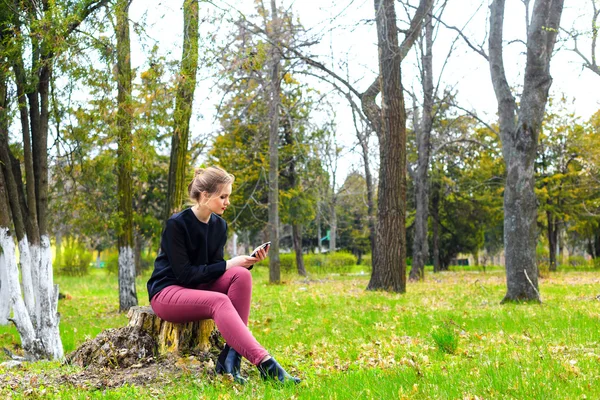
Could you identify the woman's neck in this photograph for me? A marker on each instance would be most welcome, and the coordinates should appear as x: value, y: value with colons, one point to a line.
x: 202, y: 213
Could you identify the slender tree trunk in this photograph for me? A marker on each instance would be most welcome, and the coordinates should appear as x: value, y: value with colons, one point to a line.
x: 127, y: 290
x: 333, y: 224
x: 275, y: 89
x: 435, y: 227
x: 318, y: 222
x: 297, y: 239
x: 389, y: 263
x: 423, y: 132
x: 186, y: 86
x: 552, y: 240
x: 519, y: 132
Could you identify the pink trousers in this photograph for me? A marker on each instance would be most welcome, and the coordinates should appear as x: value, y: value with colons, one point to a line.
x: 226, y: 301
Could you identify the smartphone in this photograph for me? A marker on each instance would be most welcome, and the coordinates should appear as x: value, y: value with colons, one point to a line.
x: 262, y: 246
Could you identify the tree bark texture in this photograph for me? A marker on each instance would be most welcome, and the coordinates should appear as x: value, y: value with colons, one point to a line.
x: 423, y: 133
x: 389, y: 263
x: 274, y: 103
x: 170, y: 337
x: 519, y: 131
x: 184, y: 100
x: 127, y: 290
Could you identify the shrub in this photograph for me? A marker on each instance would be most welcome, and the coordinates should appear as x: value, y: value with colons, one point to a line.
x: 111, y: 259
x: 72, y: 259
x: 578, y: 261
x: 445, y: 339
x: 367, y: 260
x: 339, y: 262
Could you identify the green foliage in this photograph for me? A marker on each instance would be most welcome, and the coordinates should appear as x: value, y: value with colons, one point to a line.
x: 352, y: 222
x: 72, y: 258
x: 338, y: 262
x: 445, y: 339
x: 111, y: 261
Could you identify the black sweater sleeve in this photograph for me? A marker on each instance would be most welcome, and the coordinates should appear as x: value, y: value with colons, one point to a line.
x: 188, y: 275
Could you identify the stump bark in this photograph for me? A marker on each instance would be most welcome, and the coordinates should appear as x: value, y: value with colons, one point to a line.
x: 171, y: 337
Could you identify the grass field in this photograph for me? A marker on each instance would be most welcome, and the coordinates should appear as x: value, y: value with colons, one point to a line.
x: 446, y: 338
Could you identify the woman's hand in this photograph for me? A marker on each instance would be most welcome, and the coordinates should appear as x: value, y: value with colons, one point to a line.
x: 241, y: 261
x: 247, y: 261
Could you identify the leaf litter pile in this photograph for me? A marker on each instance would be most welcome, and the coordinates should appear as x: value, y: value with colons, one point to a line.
x: 116, y: 357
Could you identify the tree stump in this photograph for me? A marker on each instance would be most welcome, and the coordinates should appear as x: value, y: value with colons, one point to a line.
x: 170, y: 337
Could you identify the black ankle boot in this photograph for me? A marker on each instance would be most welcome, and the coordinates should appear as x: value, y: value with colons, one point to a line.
x: 230, y: 362
x: 271, y: 369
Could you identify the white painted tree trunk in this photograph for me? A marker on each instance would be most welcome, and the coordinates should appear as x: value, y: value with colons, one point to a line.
x: 26, y: 275
x: 127, y: 292
x: 20, y: 315
x: 4, y: 294
x: 47, y: 300
x: 40, y: 337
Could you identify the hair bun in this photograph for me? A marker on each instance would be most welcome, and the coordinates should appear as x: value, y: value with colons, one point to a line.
x: 198, y: 171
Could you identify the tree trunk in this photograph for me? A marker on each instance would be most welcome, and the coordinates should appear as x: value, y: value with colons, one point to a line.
x: 423, y: 132
x: 297, y: 238
x: 275, y: 89
x: 435, y: 227
x: 127, y: 290
x: 184, y: 100
x: 318, y: 222
x: 389, y: 263
x: 333, y: 224
x: 36, y: 319
x: 519, y: 132
x: 552, y: 230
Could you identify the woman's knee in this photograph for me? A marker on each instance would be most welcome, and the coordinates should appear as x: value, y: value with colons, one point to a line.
x: 241, y: 273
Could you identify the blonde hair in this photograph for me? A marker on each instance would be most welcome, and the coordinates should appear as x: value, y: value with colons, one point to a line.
x: 209, y: 180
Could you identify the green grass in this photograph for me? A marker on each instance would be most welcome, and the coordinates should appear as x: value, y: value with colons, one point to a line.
x: 347, y: 343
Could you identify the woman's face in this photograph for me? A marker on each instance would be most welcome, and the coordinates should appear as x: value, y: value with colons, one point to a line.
x: 219, y: 201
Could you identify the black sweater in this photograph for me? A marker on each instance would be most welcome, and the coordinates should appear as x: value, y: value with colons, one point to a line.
x: 191, y: 252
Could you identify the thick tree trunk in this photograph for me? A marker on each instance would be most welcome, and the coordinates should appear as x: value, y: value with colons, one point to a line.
x: 127, y: 290
x: 519, y: 132
x: 274, y: 102
x: 184, y: 100
x: 297, y: 238
x: 423, y: 132
x: 389, y: 263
